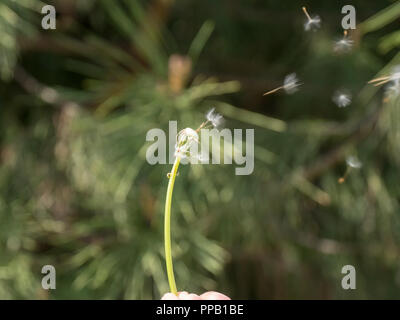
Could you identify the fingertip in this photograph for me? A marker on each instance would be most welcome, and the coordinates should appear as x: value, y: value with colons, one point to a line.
x: 189, y: 296
x: 169, y: 296
x: 213, y: 295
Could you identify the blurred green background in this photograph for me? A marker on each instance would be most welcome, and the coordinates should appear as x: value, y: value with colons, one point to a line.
x: 76, y: 191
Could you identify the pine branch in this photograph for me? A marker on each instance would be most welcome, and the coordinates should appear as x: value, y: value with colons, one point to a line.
x: 42, y: 91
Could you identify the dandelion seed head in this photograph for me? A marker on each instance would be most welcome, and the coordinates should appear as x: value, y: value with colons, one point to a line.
x: 214, y: 118
x: 353, y: 162
x: 342, y: 99
x: 291, y: 83
x: 185, y: 139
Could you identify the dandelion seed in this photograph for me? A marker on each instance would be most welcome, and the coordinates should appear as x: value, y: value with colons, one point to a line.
x: 312, y: 23
x: 352, y: 163
x: 393, y: 76
x: 212, y: 118
x: 343, y: 45
x: 216, y: 119
x: 341, y: 99
x: 393, y: 89
x: 290, y: 84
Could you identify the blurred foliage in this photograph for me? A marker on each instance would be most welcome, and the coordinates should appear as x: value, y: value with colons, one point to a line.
x: 76, y: 191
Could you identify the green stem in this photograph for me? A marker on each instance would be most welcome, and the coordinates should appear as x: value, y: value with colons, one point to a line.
x: 167, y: 227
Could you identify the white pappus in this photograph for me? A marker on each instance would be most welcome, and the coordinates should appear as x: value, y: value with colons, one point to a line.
x: 341, y: 98
x: 343, y: 45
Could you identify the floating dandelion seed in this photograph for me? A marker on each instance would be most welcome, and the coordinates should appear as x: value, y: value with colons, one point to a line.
x: 342, y: 99
x: 393, y: 76
x: 393, y: 89
x: 216, y: 119
x: 312, y: 23
x: 290, y: 84
x: 213, y: 119
x: 352, y: 163
x: 343, y: 45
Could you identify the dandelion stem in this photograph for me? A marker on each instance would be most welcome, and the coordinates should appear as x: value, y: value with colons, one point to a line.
x: 167, y: 227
